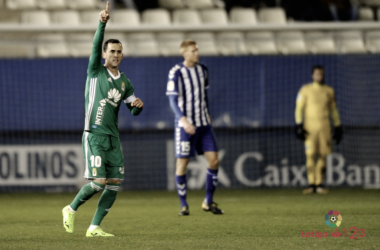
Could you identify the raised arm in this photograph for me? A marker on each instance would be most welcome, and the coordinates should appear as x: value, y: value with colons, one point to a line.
x: 96, y: 54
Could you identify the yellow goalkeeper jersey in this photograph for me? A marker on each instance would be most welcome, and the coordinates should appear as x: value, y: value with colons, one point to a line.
x: 315, y: 103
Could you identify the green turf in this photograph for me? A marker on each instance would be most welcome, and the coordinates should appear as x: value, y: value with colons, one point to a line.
x: 253, y: 219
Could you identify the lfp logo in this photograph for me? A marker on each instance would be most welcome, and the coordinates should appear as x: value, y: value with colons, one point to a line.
x: 333, y: 219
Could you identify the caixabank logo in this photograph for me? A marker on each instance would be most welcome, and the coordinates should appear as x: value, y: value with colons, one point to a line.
x: 333, y: 219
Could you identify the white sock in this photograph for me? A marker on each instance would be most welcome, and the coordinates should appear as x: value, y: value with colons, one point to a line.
x: 92, y: 227
x: 72, y: 210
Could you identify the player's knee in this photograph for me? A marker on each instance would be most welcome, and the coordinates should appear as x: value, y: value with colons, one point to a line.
x: 113, y: 181
x: 214, y: 163
x: 101, y: 181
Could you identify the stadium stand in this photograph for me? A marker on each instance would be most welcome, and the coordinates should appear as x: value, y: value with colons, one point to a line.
x: 261, y: 43
x: 35, y: 17
x: 21, y: 4
x: 243, y: 16
x: 169, y: 43
x: 79, y: 45
x: 366, y: 14
x: 186, y: 16
x: 66, y: 17
x: 231, y: 43
x: 291, y: 42
x: 351, y: 42
x: 372, y: 3
x: 373, y: 41
x: 142, y: 44
x: 171, y: 4
x: 214, y: 16
x: 83, y: 4
x: 272, y: 15
x: 126, y: 17
x: 199, y: 4
x: 52, y: 45
x: 91, y: 17
x: 156, y: 16
x: 320, y: 42
x: 51, y: 4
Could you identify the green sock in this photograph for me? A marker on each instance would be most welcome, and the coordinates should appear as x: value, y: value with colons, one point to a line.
x: 86, y: 192
x: 105, y: 203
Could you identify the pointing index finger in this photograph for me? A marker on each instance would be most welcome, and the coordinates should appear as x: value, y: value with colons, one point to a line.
x: 108, y: 6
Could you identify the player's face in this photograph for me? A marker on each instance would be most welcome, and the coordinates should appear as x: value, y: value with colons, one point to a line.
x: 318, y: 75
x: 191, y: 54
x: 113, y: 55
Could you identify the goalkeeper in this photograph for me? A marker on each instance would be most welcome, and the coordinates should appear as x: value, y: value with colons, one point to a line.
x: 106, y: 89
x: 315, y: 103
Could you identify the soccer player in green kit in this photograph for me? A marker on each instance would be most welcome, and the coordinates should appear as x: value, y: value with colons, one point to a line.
x: 106, y: 87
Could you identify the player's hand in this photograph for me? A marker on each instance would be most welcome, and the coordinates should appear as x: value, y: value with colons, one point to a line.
x: 187, y: 126
x: 300, y: 132
x: 338, y: 134
x: 137, y: 103
x: 105, y: 14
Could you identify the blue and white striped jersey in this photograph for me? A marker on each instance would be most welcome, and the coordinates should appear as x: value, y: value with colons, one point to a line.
x: 190, y: 85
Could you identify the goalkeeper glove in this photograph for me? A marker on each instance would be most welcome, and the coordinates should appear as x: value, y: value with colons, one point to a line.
x: 338, y: 133
x: 300, y: 132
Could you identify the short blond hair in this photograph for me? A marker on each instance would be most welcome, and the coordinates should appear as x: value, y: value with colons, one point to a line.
x: 185, y: 44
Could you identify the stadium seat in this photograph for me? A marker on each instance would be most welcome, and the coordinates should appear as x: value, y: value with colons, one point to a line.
x: 372, y: 3
x: 142, y: 44
x: 36, y: 17
x: 21, y: 4
x: 16, y: 45
x: 67, y: 17
x: 171, y: 4
x: 366, y: 14
x: 291, y: 42
x: 82, y: 4
x: 205, y: 42
x: 91, y: 17
x: 320, y: 42
x: 272, y: 15
x: 372, y: 39
x: 214, y: 16
x: 243, y: 16
x: 52, y: 45
x: 186, y: 16
x: 169, y: 43
x: 79, y: 45
x: 261, y: 43
x: 156, y: 16
x: 51, y: 4
x: 199, y: 4
x: 351, y: 42
x: 126, y: 17
x: 231, y: 43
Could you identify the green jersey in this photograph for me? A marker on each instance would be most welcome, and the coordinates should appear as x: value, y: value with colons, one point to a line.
x: 105, y: 92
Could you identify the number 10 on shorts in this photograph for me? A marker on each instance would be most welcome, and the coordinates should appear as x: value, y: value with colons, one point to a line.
x: 96, y: 161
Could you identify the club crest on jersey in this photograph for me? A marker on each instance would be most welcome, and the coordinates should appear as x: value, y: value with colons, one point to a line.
x: 123, y: 86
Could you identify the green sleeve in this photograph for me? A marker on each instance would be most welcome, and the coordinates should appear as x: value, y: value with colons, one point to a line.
x: 96, y: 54
x: 131, y: 93
x: 134, y: 110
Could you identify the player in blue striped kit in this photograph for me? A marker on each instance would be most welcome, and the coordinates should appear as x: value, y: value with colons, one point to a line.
x: 187, y: 91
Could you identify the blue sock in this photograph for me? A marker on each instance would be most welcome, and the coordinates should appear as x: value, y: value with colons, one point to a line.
x: 181, y: 188
x: 211, y: 182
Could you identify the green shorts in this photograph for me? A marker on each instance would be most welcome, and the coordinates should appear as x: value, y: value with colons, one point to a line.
x: 103, y: 157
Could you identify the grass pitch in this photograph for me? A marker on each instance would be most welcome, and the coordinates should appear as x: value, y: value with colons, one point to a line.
x: 253, y: 219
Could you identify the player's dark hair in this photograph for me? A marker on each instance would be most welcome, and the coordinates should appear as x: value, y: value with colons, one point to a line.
x: 319, y: 67
x: 110, y: 41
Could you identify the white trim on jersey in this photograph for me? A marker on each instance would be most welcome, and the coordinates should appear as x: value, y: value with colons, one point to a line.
x: 86, y: 154
x: 197, y: 101
x: 130, y: 99
x: 91, y: 100
x: 189, y: 95
x: 203, y: 94
x: 114, y: 77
